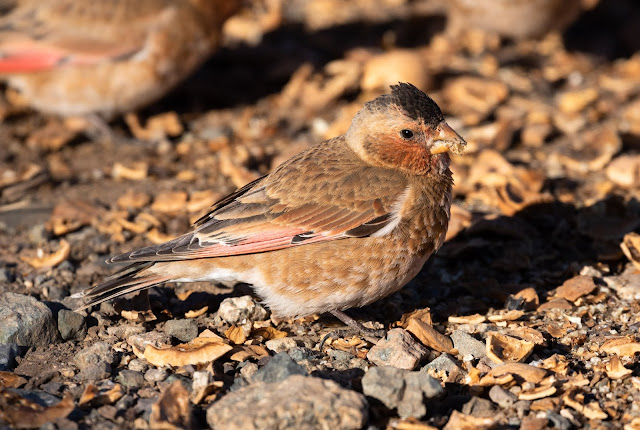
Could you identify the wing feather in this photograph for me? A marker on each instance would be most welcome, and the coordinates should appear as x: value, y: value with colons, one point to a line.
x: 292, y: 206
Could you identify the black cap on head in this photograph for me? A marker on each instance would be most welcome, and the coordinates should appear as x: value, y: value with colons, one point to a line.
x: 416, y: 104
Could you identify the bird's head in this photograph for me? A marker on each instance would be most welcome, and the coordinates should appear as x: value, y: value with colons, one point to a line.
x: 404, y: 130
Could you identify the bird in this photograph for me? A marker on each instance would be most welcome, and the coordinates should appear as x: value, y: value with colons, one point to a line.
x: 340, y: 225
x: 517, y: 19
x: 105, y: 58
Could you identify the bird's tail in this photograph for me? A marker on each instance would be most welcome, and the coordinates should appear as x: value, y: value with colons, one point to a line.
x: 128, y: 280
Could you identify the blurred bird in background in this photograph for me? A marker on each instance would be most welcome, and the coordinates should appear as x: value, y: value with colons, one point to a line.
x: 518, y: 19
x: 106, y: 57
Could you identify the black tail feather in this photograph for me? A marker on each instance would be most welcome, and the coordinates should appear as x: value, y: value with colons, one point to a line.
x: 120, y: 283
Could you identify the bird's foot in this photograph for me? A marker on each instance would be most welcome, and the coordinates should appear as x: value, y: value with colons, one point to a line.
x: 354, y: 328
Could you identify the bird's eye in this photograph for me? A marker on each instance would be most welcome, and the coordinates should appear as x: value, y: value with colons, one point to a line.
x: 406, y: 134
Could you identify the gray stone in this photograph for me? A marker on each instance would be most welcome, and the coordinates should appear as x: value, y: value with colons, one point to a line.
x: 125, y: 402
x: 399, y: 350
x: 95, y: 361
x: 130, y: 378
x: 143, y: 407
x: 95, y: 372
x: 501, y: 397
x: 185, y: 381
x: 96, y: 353
x: 26, y: 321
x: 341, y: 359
x: 239, y: 310
x: 478, y: 407
x: 281, y: 345
x: 279, y: 367
x: 124, y: 331
x: 183, y: 330
x: 298, y: 402
x: 71, y: 325
x: 301, y: 353
x: 445, y: 363
x: 156, y: 375
x: 468, y: 345
x: 155, y: 338
x: 138, y: 365
x: 37, y: 396
x: 8, y: 354
x: 400, y: 389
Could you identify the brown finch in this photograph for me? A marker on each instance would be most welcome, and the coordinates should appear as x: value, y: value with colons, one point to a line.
x: 108, y: 57
x: 340, y: 225
x: 519, y: 19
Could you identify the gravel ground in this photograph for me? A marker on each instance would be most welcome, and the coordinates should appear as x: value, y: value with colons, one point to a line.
x: 527, y: 318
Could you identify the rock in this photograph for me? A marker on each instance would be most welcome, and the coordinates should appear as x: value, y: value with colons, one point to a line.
x: 279, y: 367
x: 298, y: 402
x: 341, y: 359
x: 138, y: 365
x: 157, y: 374
x: 398, y: 349
x: 248, y: 370
x: 71, y: 325
x: 130, y: 378
x: 281, y: 345
x: 143, y: 407
x: 501, y: 397
x: 8, y: 354
x: 478, y: 407
x: 301, y: 353
x: 183, y: 330
x: 26, y: 321
x: 155, y: 338
x: 468, y: 346
x: 95, y: 372
x: 445, y: 364
x: 202, y: 379
x: 125, y: 402
x: 401, y: 389
x: 95, y: 361
x: 124, y: 331
x: 239, y: 310
x: 99, y: 351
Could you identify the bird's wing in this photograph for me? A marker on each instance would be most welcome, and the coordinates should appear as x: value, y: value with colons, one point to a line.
x: 320, y: 195
x: 38, y: 35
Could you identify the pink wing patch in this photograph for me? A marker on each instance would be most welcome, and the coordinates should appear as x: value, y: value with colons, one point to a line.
x: 29, y: 61
x: 262, y: 242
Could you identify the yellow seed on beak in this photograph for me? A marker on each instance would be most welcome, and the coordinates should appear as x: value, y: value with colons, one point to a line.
x: 447, y: 140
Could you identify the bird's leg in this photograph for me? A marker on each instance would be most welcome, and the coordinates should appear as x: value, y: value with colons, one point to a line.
x: 98, y: 127
x: 372, y: 335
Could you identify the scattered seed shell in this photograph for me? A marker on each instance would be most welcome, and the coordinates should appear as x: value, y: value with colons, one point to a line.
x: 468, y: 319
x: 49, y: 260
x: 460, y: 421
x: 592, y: 410
x: 11, y: 380
x: 502, y: 348
x: 537, y: 393
x: 429, y: 336
x: 615, y: 369
x: 576, y: 287
x: 511, y: 315
x: 622, y: 346
x: 199, y: 350
x: 526, y: 372
x: 631, y: 247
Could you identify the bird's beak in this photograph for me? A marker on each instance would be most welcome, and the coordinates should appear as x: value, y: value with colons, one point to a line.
x: 447, y: 140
